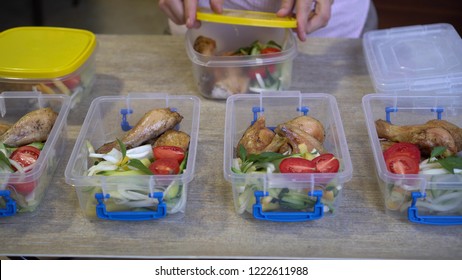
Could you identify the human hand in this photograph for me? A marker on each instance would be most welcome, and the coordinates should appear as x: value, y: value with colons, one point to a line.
x: 309, y: 19
x: 184, y: 11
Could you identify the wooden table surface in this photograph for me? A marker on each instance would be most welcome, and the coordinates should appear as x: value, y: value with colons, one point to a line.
x: 210, y: 227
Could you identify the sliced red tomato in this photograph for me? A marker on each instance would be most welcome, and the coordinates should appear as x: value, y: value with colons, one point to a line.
x: 262, y: 70
x: 297, y: 165
x: 25, y: 155
x: 402, y: 164
x: 270, y: 50
x: 73, y: 82
x: 403, y: 148
x: 326, y: 163
x: 24, y: 188
x: 173, y: 152
x: 165, y: 166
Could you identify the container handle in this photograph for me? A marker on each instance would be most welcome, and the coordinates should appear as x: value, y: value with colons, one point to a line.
x: 413, y: 216
x: 317, y: 213
x: 102, y: 213
x: 10, y: 208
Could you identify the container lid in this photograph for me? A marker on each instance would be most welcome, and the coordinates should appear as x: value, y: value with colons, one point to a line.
x: 242, y: 17
x: 414, y: 58
x: 43, y: 52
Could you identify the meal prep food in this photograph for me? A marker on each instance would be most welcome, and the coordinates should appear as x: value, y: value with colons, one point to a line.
x: 292, y: 170
x: 61, y: 61
x: 229, y: 81
x: 27, y: 147
x: 295, y: 146
x: 229, y: 59
x: 417, y: 142
x: 433, y: 149
x: 140, y: 172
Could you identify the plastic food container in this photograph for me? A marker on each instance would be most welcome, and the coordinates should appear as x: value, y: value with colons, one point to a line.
x: 134, y: 197
x: 23, y: 192
x: 415, y: 59
x: 221, y: 75
x: 424, y: 199
x: 50, y: 60
x: 313, y: 194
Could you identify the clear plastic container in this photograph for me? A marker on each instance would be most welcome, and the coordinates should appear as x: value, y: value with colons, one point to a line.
x: 220, y: 76
x: 23, y: 192
x: 419, y: 58
x: 61, y: 61
x: 424, y: 199
x: 134, y: 197
x: 254, y: 192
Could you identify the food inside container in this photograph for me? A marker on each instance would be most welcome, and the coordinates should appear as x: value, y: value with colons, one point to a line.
x: 417, y: 144
x: 31, y: 139
x: 230, y: 59
x: 286, y: 155
x: 138, y: 169
x: 49, y: 60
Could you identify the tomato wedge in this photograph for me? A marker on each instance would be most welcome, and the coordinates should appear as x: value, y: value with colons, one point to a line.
x: 25, y: 155
x: 165, y: 166
x: 297, y: 165
x: 270, y: 50
x: 172, y: 152
x: 403, y: 148
x: 402, y: 164
x: 326, y: 163
x: 262, y: 71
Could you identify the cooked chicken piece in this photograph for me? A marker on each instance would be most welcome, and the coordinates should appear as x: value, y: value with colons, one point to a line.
x: 297, y: 136
x: 4, y: 127
x: 175, y: 138
x: 151, y: 125
x: 256, y: 137
x: 205, y: 45
x: 310, y: 125
x: 286, y: 148
x: 426, y: 136
x: 276, y: 144
x: 385, y: 144
x: 229, y: 81
x: 455, y: 131
x: 35, y: 126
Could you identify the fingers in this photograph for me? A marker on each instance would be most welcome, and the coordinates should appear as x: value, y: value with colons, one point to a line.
x: 302, y: 9
x: 217, y: 6
x: 311, y: 16
x: 174, y: 10
x: 190, y: 7
x: 181, y: 12
x: 286, y: 8
x: 320, y: 16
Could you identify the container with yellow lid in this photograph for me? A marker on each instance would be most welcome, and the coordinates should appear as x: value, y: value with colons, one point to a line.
x: 241, y: 52
x: 51, y: 60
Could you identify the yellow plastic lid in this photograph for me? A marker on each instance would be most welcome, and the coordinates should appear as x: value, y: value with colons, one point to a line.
x: 241, y: 17
x: 43, y: 52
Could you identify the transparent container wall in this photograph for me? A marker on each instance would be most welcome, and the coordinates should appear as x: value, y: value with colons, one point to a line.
x: 220, y: 76
x: 77, y: 85
x: 441, y: 194
x: 279, y: 108
x: 131, y: 193
x: 26, y: 190
x: 417, y: 58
